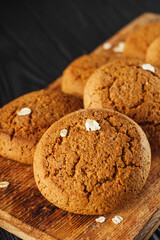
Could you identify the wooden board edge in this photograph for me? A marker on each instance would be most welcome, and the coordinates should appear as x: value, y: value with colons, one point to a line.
x: 147, y: 15
x: 56, y: 84
x: 21, y: 229
x: 150, y: 227
x: 16, y: 231
x: 151, y: 17
x: 121, y: 34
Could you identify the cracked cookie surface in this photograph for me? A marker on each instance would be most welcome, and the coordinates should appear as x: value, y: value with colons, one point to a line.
x: 92, y: 172
x: 19, y: 134
x: 75, y: 76
x: 125, y: 87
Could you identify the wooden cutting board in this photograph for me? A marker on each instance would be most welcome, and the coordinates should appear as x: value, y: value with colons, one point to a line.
x: 25, y: 212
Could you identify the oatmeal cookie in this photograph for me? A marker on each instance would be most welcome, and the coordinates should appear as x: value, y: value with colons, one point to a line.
x: 75, y: 76
x: 25, y: 119
x: 101, y: 161
x: 139, y: 40
x: 132, y: 88
x: 153, y: 53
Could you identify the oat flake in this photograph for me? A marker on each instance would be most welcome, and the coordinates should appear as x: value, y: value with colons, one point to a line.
x: 101, y: 219
x: 63, y: 132
x: 107, y: 46
x: 148, y: 67
x: 92, y: 125
x: 117, y: 219
x: 4, y: 184
x: 24, y: 111
x: 119, y: 47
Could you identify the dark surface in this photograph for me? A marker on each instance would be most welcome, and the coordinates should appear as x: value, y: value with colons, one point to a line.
x: 38, y: 39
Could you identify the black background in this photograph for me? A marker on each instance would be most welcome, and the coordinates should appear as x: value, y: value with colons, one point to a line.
x: 38, y: 39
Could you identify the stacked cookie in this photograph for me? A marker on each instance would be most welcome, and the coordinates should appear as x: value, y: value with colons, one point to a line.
x: 78, y: 72
x: 131, y: 87
x: 91, y: 161
x: 138, y: 42
x: 127, y: 82
x: 25, y: 119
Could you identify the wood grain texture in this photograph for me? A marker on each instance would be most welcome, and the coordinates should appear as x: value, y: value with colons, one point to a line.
x: 27, y: 214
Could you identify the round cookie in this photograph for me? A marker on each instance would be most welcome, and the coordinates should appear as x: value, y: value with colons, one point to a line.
x: 56, y: 85
x: 139, y: 40
x: 25, y: 119
x: 125, y: 86
x: 75, y: 76
x: 102, y: 161
x: 153, y: 53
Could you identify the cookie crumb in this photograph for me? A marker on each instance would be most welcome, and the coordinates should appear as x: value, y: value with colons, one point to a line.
x: 107, y: 46
x: 92, y: 125
x: 24, y: 111
x: 101, y: 219
x: 119, y: 47
x: 63, y: 132
x: 148, y: 67
x: 111, y: 137
x: 4, y: 184
x: 117, y: 219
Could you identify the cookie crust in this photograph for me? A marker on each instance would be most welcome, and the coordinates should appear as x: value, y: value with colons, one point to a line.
x: 125, y: 87
x: 153, y: 53
x: 139, y: 40
x: 92, y: 172
x: 20, y: 134
x: 76, y: 75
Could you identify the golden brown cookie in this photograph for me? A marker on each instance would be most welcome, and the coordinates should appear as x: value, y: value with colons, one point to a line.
x: 153, y: 53
x: 125, y: 86
x: 75, y: 76
x: 56, y: 85
x: 25, y: 119
x: 139, y: 40
x: 102, y: 159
